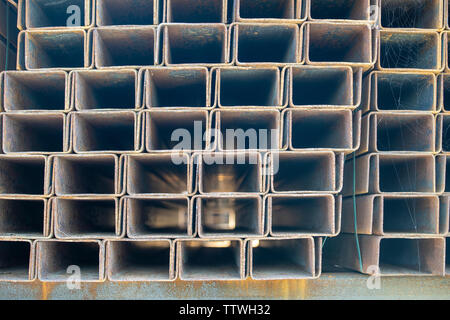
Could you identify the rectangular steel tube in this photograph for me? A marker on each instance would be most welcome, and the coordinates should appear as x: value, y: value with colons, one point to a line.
x: 270, y: 10
x: 129, y: 12
x: 196, y: 11
x: 17, y: 260
x: 340, y: 10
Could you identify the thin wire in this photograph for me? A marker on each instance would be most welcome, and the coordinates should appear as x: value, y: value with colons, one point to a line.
x: 7, y: 36
x: 354, y: 213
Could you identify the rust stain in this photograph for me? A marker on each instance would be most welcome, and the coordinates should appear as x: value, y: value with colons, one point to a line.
x: 46, y: 289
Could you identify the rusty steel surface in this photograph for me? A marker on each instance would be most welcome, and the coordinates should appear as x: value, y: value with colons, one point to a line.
x: 237, y: 149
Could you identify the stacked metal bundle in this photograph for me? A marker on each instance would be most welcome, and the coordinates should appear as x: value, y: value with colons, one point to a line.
x: 400, y: 212
x: 205, y: 140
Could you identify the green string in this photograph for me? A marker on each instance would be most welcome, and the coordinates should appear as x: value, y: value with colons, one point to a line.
x: 354, y: 213
x: 7, y: 35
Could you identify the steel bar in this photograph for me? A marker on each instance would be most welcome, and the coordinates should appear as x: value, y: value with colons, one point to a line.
x: 160, y: 173
x: 270, y: 10
x: 84, y: 218
x: 322, y: 86
x: 341, y: 10
x: 230, y: 172
x: 24, y: 175
x: 197, y: 11
x: 395, y: 173
x: 229, y: 216
x: 35, y: 133
x: 203, y: 259
x: 315, y: 172
x: 284, y: 258
x: 413, y: 51
x: 17, y: 260
x: 329, y: 43
x: 140, y: 260
x: 125, y: 46
x: 129, y: 12
x: 398, y: 132
x: 87, y: 175
x: 65, y: 49
x: 176, y: 87
x: 55, y: 14
x: 195, y: 44
x: 321, y: 129
x: 60, y: 261
x: 411, y: 14
x: 394, y: 215
x: 245, y: 129
x: 24, y: 218
x: 35, y: 91
x: 388, y: 256
x: 247, y: 87
x: 300, y: 215
x: 107, y: 132
x: 177, y: 130
x: 266, y: 44
x: 401, y: 92
x: 104, y: 89
x: 164, y: 216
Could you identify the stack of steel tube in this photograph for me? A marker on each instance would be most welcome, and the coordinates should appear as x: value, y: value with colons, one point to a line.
x: 8, y: 34
x: 150, y: 140
x: 395, y: 207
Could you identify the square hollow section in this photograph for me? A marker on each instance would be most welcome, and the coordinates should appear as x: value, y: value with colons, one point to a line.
x: 249, y: 87
x: 37, y: 91
x: 86, y: 218
x: 349, y: 43
x: 405, y: 132
x: 22, y: 175
x: 210, y: 260
x: 158, y: 174
x: 158, y: 217
x: 301, y: 215
x: 406, y: 173
x: 125, y: 46
x: 38, y: 132
x: 321, y: 86
x: 253, y: 130
x: 15, y: 260
x: 340, y: 9
x: 227, y: 216
x: 126, y: 12
x: 105, y: 89
x: 179, y: 130
x: 23, y: 218
x: 195, y: 44
x: 423, y: 14
x: 55, y: 49
x: 411, y: 215
x: 405, y: 91
x: 410, y: 256
x: 401, y: 50
x: 324, y: 129
x: 176, y: 87
x: 267, y: 9
x: 105, y: 131
x: 83, y: 175
x: 63, y: 13
x: 303, y: 172
x: 230, y: 173
x: 196, y: 11
x: 446, y: 92
x: 57, y: 258
x: 147, y: 260
x: 282, y: 259
x: 445, y: 133
x: 267, y: 43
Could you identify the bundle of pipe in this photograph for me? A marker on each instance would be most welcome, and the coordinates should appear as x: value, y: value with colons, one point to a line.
x: 206, y: 140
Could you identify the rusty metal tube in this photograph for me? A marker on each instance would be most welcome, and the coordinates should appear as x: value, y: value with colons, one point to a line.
x: 140, y: 260
x: 163, y: 216
x: 57, y: 260
x: 202, y: 259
